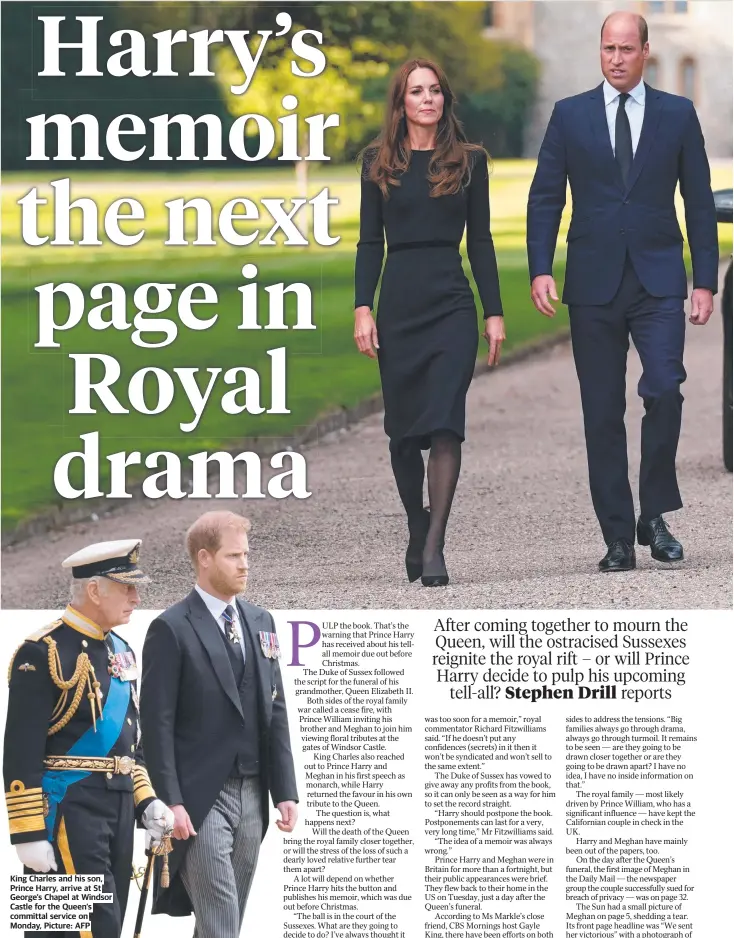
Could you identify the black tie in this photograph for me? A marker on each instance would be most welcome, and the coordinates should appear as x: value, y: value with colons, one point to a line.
x: 623, y: 139
x: 230, y: 627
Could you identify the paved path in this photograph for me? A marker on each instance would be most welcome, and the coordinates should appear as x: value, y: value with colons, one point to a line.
x: 522, y: 534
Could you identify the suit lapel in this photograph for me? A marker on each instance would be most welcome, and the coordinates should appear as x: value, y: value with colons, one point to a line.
x: 263, y: 673
x: 600, y: 128
x: 653, y: 110
x: 207, y: 630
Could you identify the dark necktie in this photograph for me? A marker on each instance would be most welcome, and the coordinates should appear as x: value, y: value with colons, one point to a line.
x: 623, y: 139
x: 230, y: 627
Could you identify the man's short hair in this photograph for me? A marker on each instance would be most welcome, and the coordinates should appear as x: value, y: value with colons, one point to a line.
x: 641, y: 26
x: 206, y: 532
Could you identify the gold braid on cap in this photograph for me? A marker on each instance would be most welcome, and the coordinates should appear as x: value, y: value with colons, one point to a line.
x: 83, y: 675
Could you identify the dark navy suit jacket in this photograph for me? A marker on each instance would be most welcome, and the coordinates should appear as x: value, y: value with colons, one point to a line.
x: 610, y: 218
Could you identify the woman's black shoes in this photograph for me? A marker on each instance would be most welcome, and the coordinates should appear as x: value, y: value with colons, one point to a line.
x: 434, y: 571
x: 414, y: 554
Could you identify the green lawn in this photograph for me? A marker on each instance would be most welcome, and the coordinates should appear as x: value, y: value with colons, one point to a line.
x: 324, y: 370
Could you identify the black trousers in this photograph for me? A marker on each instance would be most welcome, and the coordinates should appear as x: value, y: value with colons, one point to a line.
x: 94, y: 836
x: 600, y: 337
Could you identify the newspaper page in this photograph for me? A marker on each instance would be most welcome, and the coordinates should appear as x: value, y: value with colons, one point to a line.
x: 366, y: 469
x: 523, y: 775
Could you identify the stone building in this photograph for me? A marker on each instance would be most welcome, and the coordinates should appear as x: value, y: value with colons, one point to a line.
x: 690, y: 54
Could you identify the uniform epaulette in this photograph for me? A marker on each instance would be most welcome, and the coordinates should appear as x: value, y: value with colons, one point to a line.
x: 33, y: 637
x: 44, y: 631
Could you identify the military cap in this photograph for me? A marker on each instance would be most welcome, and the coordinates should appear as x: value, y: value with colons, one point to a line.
x: 115, y: 560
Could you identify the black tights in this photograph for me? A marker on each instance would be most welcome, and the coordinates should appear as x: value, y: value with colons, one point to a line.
x: 444, y: 463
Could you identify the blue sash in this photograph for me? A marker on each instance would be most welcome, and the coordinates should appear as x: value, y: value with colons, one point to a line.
x: 92, y: 743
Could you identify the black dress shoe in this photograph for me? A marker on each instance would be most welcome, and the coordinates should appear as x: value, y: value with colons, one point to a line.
x: 414, y: 554
x: 434, y: 571
x: 656, y: 535
x: 619, y: 557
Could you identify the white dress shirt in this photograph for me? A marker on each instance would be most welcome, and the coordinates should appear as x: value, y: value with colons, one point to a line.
x: 634, y: 106
x: 216, y: 607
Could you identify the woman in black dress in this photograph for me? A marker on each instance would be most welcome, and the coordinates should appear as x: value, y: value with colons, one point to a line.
x: 422, y: 182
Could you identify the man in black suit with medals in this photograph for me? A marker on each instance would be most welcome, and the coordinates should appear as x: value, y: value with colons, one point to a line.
x: 75, y: 776
x: 624, y: 147
x: 219, y: 748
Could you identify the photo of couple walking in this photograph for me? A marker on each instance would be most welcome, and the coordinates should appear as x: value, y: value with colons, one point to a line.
x: 623, y: 148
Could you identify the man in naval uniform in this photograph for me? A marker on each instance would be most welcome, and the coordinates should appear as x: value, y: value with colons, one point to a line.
x: 75, y: 777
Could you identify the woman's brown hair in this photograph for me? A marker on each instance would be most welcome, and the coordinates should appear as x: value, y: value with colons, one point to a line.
x: 388, y: 156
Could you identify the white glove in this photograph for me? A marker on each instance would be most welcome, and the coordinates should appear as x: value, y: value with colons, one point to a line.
x: 158, y: 820
x: 37, y: 856
x: 152, y: 839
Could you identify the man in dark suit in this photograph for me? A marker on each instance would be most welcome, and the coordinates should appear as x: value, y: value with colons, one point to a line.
x: 624, y: 147
x: 212, y: 701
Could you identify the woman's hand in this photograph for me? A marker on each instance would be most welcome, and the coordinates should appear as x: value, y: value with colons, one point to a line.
x: 494, y: 333
x: 365, y: 332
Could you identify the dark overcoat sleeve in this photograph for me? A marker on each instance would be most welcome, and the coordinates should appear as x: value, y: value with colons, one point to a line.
x: 160, y: 688
x: 282, y: 772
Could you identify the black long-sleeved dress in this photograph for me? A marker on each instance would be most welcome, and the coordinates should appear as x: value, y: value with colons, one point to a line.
x: 426, y: 320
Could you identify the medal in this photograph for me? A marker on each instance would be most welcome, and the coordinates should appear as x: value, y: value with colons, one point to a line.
x: 122, y: 665
x: 269, y: 644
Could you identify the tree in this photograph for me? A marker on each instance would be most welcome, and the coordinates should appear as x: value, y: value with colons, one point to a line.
x: 343, y: 88
x: 340, y: 23
x: 495, y: 81
x: 105, y: 97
